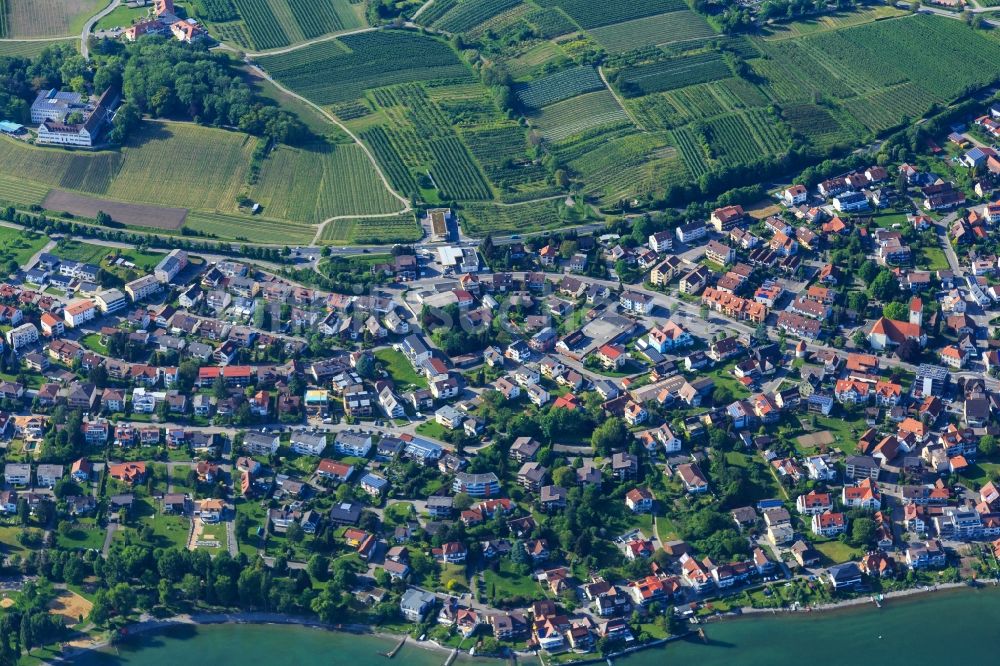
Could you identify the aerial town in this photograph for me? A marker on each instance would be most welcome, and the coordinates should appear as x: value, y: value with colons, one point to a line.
x: 489, y: 442
x: 375, y: 354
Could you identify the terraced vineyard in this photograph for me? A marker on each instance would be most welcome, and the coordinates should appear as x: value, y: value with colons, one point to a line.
x: 552, y: 22
x: 250, y: 229
x: 817, y: 123
x: 670, y: 28
x: 20, y: 192
x: 436, y: 11
x: 467, y: 14
x: 46, y: 18
x: 629, y: 166
x: 455, y: 174
x: 216, y: 10
x: 741, y: 138
x: 392, y: 164
x: 502, y: 151
x: 589, y: 14
x: 481, y: 219
x: 340, y: 70
x: 675, y: 73
x: 383, y: 230
x: 578, y: 115
x: 692, y: 152
x: 261, y: 23
x: 316, y: 18
x: 559, y: 86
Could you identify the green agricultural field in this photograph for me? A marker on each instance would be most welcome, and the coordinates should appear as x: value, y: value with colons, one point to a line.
x: 674, y: 73
x: 20, y: 192
x: 261, y: 23
x: 559, y: 86
x: 165, y: 164
x: 342, y: 69
x: 579, y: 115
x: 467, y: 14
x: 502, y: 151
x: 590, y: 14
x: 551, y: 22
x: 272, y: 24
x: 382, y: 230
x: 740, y: 138
x: 480, y: 219
x: 859, y: 16
x: 319, y: 182
x: 30, y: 49
x: 250, y: 229
x: 48, y: 18
x: 629, y: 166
x: 538, y: 56
x: 420, y: 139
x: 680, y: 27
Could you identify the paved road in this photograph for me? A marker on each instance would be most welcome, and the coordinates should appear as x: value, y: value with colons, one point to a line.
x: 88, y: 26
x: 109, y: 535
x: 231, y: 538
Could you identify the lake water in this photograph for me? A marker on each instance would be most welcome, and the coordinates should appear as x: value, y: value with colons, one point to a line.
x: 262, y: 645
x: 947, y: 627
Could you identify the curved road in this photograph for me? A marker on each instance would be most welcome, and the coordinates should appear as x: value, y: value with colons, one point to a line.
x: 89, y: 25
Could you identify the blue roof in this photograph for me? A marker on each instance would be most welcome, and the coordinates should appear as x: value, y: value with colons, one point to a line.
x: 7, y: 126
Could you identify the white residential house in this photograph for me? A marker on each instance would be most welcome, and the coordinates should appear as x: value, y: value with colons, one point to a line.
x: 352, y: 444
x: 308, y: 444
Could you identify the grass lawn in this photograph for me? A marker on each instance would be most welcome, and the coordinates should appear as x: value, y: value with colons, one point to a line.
x: 8, y: 541
x: 397, y: 365
x: 431, y: 429
x: 453, y: 578
x: 666, y: 530
x: 73, y: 250
x: 888, y: 218
x: 397, y: 514
x: 86, y: 534
x: 256, y: 517
x: 933, y: 259
x: 20, y: 245
x: 507, y: 583
x: 845, y: 430
x: 92, y: 341
x: 837, y: 552
x: 980, y: 472
x: 121, y: 17
x: 169, y: 530
x: 178, y: 477
x: 723, y: 378
x: 642, y: 521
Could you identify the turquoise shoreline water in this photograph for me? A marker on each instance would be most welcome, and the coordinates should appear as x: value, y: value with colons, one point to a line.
x: 887, y: 635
